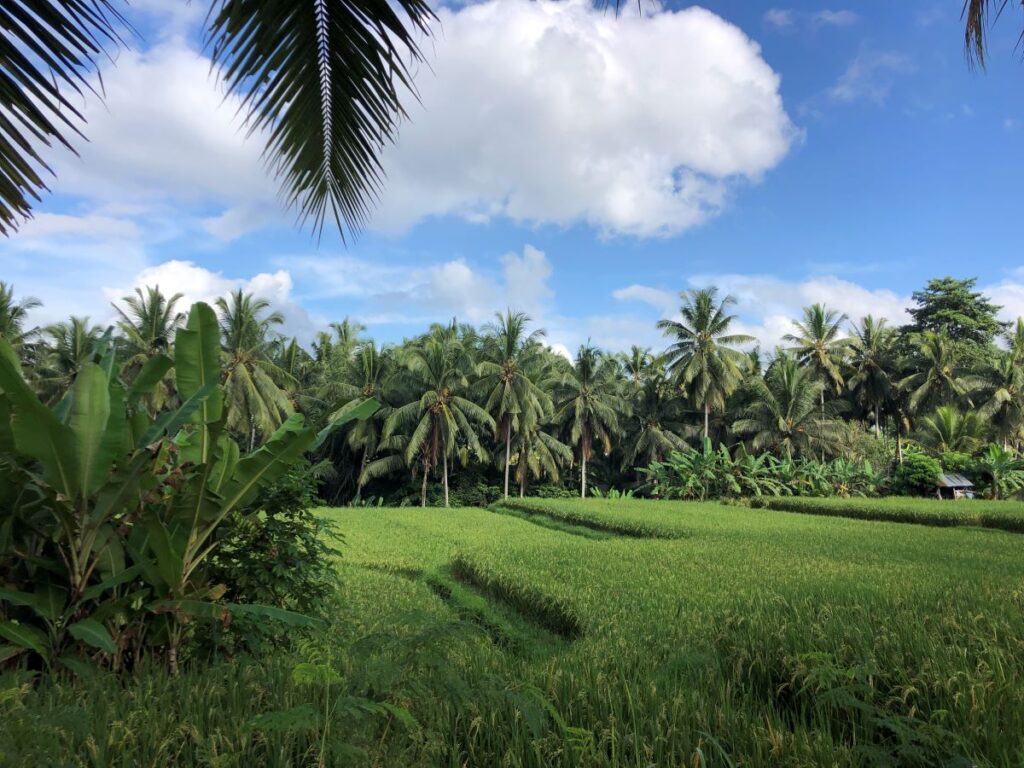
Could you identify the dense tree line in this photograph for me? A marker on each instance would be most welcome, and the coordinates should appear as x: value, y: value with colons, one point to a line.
x: 474, y: 412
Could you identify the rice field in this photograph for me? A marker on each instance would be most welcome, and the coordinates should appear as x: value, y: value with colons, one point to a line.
x: 607, y: 633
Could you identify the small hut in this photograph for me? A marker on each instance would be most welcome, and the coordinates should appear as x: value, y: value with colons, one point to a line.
x: 954, y: 486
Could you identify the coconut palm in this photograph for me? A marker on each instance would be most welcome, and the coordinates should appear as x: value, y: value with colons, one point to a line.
x: 541, y: 455
x: 950, y: 430
x: 512, y: 396
x: 14, y: 314
x: 436, y: 375
x: 872, y: 364
x: 783, y: 415
x: 818, y: 344
x: 147, y: 323
x: 256, y: 399
x: 637, y: 364
x: 702, y: 357
x: 320, y: 83
x: 1003, y: 406
x: 589, y: 405
x: 363, y: 377
x: 939, y: 377
x: 657, y: 424
x: 68, y: 346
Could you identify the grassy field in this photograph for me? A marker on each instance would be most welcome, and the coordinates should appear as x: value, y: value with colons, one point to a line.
x: 600, y: 633
x: 1004, y: 515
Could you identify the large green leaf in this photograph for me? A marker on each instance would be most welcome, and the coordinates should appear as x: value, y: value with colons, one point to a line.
x: 196, y: 366
x: 170, y: 422
x: 90, y: 412
x: 285, y: 447
x: 37, y: 432
x: 151, y: 373
x: 25, y: 636
x: 93, y: 633
x: 363, y: 411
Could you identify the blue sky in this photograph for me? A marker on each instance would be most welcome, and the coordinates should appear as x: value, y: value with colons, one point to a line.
x: 582, y: 168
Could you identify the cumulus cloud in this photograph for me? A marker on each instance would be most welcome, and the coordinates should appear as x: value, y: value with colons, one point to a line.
x: 766, y: 306
x: 413, y: 295
x: 197, y: 283
x: 165, y: 135
x: 556, y: 112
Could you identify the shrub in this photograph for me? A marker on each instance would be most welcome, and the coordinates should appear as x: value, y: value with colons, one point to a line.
x: 275, y: 552
x: 917, y: 475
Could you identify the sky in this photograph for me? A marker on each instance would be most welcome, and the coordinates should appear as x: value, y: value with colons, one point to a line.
x: 579, y: 167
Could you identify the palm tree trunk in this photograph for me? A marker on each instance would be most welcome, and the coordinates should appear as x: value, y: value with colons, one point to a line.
x: 508, y: 454
x: 583, y: 473
x: 899, y: 442
x: 423, y: 488
x: 822, y: 394
x: 444, y: 461
x: 362, y: 468
x: 522, y: 484
x: 707, y: 411
x: 878, y: 428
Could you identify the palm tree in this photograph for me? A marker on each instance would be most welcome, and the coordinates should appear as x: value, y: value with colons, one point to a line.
x: 147, y: 322
x: 939, y: 378
x: 817, y: 343
x: 637, y: 363
x: 14, y: 314
x: 69, y: 346
x: 702, y: 358
x: 363, y: 377
x: 871, y: 362
x: 540, y: 454
x: 435, y: 373
x: 1004, y: 404
x: 256, y: 400
x: 657, y: 424
x: 590, y: 404
x: 950, y: 430
x: 512, y: 396
x: 783, y: 415
x: 320, y: 81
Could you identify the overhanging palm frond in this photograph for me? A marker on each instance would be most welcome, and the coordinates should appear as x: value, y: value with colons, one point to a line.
x: 978, y: 17
x: 48, y: 49
x: 323, y: 81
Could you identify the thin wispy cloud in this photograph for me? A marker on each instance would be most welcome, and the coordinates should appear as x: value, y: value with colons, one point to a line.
x: 869, y: 77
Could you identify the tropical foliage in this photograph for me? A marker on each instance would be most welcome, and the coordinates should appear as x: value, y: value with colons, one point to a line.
x: 475, y: 414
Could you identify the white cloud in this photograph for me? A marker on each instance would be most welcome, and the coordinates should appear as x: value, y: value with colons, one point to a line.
x: 664, y: 301
x: 766, y: 306
x: 165, y: 135
x: 837, y: 18
x: 197, y: 283
x: 869, y: 77
x: 414, y: 295
x: 781, y: 18
x: 557, y: 112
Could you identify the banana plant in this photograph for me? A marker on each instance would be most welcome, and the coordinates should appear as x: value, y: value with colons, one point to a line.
x: 112, y: 514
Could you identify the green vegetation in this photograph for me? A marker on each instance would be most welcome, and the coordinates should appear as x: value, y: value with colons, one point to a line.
x: 758, y: 638
x: 472, y: 415
x: 1007, y: 516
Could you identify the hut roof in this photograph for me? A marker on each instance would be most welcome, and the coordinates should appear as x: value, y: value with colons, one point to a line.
x: 954, y: 480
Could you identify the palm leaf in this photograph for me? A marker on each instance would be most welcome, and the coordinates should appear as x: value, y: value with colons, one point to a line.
x: 322, y: 81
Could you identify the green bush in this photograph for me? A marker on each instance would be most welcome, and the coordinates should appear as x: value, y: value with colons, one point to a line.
x: 275, y: 552
x: 917, y: 475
